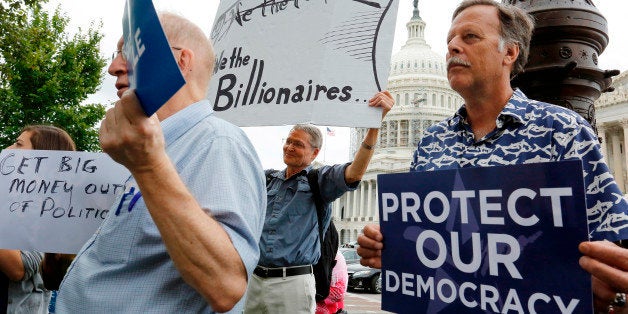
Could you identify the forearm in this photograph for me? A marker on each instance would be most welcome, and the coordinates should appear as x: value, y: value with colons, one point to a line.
x: 357, y: 168
x: 198, y: 245
x: 11, y: 264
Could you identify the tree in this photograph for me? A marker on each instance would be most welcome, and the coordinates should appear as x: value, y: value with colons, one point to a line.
x: 14, y: 12
x: 45, y: 75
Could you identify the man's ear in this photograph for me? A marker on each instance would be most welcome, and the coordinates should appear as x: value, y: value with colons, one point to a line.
x: 512, y: 53
x: 315, y: 153
x: 185, y: 61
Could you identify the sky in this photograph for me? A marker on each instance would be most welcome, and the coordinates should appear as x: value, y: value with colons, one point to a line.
x: 268, y: 140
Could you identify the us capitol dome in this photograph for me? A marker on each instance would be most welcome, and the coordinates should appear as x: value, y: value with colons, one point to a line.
x: 418, y: 83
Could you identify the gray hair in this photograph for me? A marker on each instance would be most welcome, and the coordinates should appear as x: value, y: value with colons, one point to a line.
x: 316, y: 138
x: 516, y: 27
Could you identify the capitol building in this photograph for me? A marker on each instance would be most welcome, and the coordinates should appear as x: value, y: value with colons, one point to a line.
x: 418, y: 82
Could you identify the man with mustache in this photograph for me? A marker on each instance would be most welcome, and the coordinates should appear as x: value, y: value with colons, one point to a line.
x: 488, y: 44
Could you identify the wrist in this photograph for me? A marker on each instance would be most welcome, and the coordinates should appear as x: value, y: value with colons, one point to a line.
x: 367, y: 146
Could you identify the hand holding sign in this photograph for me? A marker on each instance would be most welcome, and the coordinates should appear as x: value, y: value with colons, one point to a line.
x: 608, y: 263
x: 370, y: 246
x: 130, y: 137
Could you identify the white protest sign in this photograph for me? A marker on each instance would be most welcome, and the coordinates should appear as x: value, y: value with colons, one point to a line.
x: 53, y: 201
x: 283, y: 62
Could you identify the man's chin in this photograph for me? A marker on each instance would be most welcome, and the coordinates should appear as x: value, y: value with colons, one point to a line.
x: 457, y: 83
x: 121, y: 91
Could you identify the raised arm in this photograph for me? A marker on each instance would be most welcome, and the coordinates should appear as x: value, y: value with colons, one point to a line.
x: 357, y: 168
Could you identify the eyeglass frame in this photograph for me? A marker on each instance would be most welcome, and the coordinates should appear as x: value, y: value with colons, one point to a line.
x: 115, y: 54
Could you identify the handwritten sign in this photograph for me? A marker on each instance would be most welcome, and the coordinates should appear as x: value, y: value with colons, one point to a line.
x: 288, y: 61
x: 492, y: 240
x: 53, y: 201
x: 152, y: 69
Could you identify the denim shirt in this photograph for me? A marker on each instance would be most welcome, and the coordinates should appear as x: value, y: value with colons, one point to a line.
x: 29, y: 296
x: 529, y: 131
x: 290, y: 234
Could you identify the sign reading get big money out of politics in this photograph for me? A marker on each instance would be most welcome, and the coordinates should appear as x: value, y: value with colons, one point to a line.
x: 53, y: 201
x: 284, y: 62
x: 485, y: 240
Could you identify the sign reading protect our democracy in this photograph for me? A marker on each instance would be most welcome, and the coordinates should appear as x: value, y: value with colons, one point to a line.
x: 53, y: 201
x: 292, y: 61
x: 485, y: 240
x: 153, y: 71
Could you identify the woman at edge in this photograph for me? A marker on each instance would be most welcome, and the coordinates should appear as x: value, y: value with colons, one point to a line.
x: 25, y: 289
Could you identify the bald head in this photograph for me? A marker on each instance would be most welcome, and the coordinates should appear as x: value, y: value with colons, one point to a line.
x: 182, y: 33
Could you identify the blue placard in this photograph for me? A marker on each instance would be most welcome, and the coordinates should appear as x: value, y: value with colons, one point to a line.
x: 485, y: 240
x: 152, y: 69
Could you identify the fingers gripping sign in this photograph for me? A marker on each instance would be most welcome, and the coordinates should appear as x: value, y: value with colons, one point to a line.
x: 370, y: 246
x: 382, y: 100
x: 130, y: 137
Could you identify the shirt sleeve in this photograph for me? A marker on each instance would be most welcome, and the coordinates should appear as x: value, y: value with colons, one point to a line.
x: 605, y: 202
x: 31, y: 261
x: 230, y: 185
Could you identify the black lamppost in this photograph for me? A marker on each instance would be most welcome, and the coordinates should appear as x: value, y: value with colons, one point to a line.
x: 563, y: 65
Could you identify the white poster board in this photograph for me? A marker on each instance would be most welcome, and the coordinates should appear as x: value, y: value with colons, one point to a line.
x: 291, y: 61
x: 53, y: 201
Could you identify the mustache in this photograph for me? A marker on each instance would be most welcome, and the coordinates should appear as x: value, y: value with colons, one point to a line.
x: 457, y: 61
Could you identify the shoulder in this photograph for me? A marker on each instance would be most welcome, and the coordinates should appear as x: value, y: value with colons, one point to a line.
x: 543, y: 113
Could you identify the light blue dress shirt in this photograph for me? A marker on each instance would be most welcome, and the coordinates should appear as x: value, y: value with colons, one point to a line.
x: 125, y: 268
x: 290, y: 236
x: 529, y: 131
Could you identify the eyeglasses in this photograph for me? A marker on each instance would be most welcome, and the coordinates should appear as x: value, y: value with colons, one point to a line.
x: 297, y: 144
x: 115, y: 54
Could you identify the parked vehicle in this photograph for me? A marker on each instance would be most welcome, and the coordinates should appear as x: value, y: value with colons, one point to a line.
x: 352, y: 244
x: 350, y: 255
x: 364, y: 278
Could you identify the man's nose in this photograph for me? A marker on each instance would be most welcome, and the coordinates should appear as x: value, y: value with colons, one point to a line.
x: 117, y: 66
x: 452, y: 47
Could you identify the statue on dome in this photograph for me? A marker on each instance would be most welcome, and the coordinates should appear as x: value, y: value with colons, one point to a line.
x: 417, y: 100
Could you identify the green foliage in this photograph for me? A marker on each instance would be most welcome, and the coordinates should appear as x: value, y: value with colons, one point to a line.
x: 45, y: 75
x: 13, y: 12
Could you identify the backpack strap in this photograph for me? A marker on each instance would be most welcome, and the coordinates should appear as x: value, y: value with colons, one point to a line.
x: 269, y: 176
x: 312, y: 179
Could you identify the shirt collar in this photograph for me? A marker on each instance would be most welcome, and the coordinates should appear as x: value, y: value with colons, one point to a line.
x: 180, y: 122
x: 282, y: 174
x: 515, y: 110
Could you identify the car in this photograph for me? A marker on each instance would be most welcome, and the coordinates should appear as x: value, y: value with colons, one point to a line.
x: 364, y: 278
x: 352, y: 244
x: 351, y: 255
